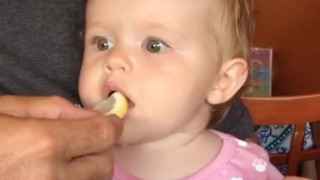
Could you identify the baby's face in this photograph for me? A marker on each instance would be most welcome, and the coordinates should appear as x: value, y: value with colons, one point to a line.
x: 160, y: 54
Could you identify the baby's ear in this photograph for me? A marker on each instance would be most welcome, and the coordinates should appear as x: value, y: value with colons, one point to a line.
x: 231, y: 77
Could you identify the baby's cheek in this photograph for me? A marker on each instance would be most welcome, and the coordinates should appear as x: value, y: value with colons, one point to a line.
x: 86, y: 102
x: 89, y: 93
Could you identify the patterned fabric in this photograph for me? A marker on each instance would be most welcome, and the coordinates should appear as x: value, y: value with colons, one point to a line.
x: 276, y: 139
x: 237, y: 160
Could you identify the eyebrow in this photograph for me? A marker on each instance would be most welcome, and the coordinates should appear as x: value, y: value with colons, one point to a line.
x: 150, y: 25
x: 163, y: 27
x: 98, y: 25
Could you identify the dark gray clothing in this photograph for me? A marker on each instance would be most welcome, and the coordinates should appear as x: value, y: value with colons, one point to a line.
x: 39, y: 47
x: 238, y: 121
x: 40, y: 53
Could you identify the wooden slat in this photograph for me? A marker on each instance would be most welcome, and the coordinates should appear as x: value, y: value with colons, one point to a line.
x: 297, y: 110
x: 284, y: 110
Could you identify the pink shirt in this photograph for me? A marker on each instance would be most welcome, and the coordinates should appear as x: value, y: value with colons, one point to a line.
x: 237, y: 160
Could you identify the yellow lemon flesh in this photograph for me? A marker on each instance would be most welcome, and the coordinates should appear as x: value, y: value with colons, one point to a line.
x: 116, y: 104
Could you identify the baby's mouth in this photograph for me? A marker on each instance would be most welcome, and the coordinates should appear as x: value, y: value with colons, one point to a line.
x: 130, y: 102
x: 116, y: 103
x: 110, y: 93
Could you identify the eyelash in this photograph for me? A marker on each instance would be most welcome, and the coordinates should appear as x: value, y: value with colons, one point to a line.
x: 96, y: 40
x: 155, y: 40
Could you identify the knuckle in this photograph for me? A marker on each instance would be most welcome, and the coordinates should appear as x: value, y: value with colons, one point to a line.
x: 47, y: 143
x: 42, y: 142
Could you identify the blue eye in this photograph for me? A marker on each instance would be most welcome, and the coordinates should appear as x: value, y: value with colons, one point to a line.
x: 155, y: 46
x: 104, y: 44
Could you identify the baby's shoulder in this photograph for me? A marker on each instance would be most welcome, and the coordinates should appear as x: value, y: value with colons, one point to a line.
x: 239, y: 159
x: 243, y: 152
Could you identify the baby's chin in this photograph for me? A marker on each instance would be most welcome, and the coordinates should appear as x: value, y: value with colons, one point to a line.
x: 133, y: 141
x: 139, y: 136
x: 128, y: 141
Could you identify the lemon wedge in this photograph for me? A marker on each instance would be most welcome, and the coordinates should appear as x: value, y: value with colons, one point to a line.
x: 116, y: 104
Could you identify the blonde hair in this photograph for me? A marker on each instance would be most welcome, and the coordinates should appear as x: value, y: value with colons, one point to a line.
x: 233, y: 34
x: 235, y: 28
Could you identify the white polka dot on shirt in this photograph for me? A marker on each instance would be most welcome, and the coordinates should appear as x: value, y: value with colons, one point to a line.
x: 242, y: 143
x: 236, y: 178
x: 260, y: 165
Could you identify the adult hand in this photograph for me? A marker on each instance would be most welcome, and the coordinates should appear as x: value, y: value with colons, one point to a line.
x: 38, y: 142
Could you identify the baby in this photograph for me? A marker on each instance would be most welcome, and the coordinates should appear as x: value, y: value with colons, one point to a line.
x: 177, y: 62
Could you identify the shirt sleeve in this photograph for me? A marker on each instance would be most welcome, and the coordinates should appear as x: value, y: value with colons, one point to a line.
x: 261, y: 163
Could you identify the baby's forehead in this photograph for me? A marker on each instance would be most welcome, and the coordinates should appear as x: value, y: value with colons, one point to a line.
x: 159, y: 7
x: 190, y: 12
x: 186, y: 17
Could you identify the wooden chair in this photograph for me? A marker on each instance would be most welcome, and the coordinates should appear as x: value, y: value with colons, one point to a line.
x: 297, y: 110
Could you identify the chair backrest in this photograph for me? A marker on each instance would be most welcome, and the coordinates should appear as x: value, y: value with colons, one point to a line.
x: 297, y: 110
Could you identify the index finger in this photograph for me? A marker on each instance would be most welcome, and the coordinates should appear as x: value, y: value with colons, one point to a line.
x: 71, y: 139
x: 50, y: 107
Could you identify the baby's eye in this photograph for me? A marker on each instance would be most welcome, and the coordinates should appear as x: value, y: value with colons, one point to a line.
x: 155, y: 46
x: 104, y: 44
